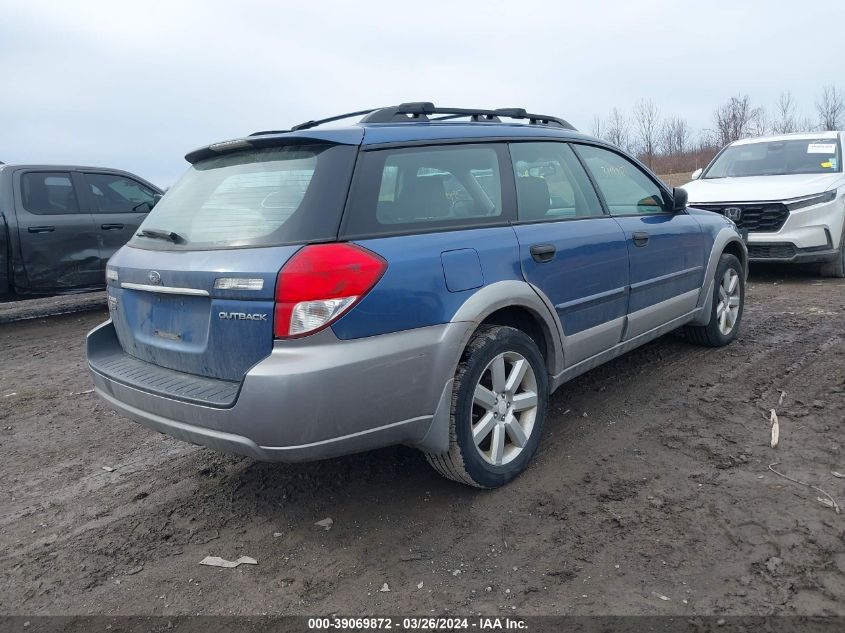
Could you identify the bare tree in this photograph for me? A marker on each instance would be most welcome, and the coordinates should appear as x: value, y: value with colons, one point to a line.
x: 673, y: 145
x: 675, y: 137
x: 597, y: 127
x: 618, y: 130
x: 759, y: 124
x: 786, y: 121
x: 734, y: 119
x: 831, y: 107
x: 806, y: 124
x: 708, y: 139
x: 647, y: 119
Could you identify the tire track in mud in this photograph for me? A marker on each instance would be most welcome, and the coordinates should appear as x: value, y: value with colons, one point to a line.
x: 801, y: 345
x: 660, y: 362
x: 796, y: 346
x: 123, y: 480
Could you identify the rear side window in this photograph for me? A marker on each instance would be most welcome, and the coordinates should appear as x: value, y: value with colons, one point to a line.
x: 48, y: 193
x: 117, y: 194
x: 551, y: 184
x: 626, y: 188
x: 263, y: 197
x: 426, y: 188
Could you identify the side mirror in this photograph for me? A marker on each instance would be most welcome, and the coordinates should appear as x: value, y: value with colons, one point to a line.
x: 679, y: 199
x: 156, y: 198
x: 696, y: 174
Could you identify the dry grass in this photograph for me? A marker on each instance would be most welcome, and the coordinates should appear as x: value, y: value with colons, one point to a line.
x: 676, y: 180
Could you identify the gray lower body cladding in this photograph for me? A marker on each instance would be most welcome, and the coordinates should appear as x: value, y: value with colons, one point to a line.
x: 307, y: 400
x: 319, y: 396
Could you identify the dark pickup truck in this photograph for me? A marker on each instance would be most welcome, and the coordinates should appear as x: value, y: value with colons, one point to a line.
x: 59, y: 224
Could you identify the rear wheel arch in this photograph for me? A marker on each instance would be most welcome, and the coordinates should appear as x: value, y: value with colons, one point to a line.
x: 528, y: 321
x: 516, y: 304
x: 509, y: 303
x: 460, y: 452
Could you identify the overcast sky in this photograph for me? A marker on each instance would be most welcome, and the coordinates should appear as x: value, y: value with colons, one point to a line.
x: 136, y: 85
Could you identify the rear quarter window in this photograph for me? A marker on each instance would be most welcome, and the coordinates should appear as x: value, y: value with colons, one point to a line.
x: 429, y: 188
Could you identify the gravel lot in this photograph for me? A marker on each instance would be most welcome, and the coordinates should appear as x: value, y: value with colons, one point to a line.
x: 651, y: 493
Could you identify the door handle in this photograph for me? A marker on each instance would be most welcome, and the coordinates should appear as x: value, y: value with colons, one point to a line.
x: 640, y: 238
x: 41, y: 229
x: 542, y: 253
x: 111, y: 227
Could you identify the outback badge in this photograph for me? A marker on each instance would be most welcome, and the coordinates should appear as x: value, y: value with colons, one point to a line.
x: 241, y: 316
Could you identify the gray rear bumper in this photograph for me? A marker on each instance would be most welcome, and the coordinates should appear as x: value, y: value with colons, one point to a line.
x: 309, y: 399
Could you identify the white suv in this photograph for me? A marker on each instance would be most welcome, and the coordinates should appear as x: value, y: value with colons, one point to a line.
x: 787, y: 192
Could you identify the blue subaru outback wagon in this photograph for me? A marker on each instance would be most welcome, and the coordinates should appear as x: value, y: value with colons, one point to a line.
x: 426, y: 276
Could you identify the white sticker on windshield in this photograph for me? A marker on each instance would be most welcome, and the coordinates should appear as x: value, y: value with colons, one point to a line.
x: 821, y: 148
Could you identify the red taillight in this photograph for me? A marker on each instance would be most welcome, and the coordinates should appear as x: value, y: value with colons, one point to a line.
x: 320, y: 283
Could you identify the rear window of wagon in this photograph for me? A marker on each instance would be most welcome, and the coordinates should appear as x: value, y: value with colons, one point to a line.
x: 291, y: 194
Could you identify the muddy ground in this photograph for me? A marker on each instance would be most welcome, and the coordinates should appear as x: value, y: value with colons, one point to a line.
x: 20, y: 308
x: 651, y: 493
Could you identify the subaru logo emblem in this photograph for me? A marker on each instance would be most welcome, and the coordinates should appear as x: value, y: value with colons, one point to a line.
x: 733, y: 213
x: 154, y: 277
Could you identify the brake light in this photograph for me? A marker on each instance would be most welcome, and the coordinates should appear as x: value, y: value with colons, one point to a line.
x: 320, y: 283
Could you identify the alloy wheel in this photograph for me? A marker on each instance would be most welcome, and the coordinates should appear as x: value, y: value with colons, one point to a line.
x: 727, y: 310
x: 504, y: 408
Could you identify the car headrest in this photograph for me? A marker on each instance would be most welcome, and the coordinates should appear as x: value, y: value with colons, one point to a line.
x: 422, y: 197
x: 533, y: 197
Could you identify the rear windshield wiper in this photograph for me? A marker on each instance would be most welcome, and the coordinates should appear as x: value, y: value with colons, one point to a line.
x: 161, y: 234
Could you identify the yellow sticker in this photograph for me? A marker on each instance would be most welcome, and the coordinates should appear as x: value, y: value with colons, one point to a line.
x: 827, y: 165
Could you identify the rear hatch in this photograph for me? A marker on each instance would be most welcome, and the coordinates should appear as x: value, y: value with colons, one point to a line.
x: 194, y: 290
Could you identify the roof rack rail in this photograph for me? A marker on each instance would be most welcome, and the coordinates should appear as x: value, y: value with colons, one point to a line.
x: 420, y: 111
x: 307, y: 125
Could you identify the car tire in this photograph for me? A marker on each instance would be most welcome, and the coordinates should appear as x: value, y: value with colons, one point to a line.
x: 495, y: 422
x: 728, y: 305
x: 836, y: 268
